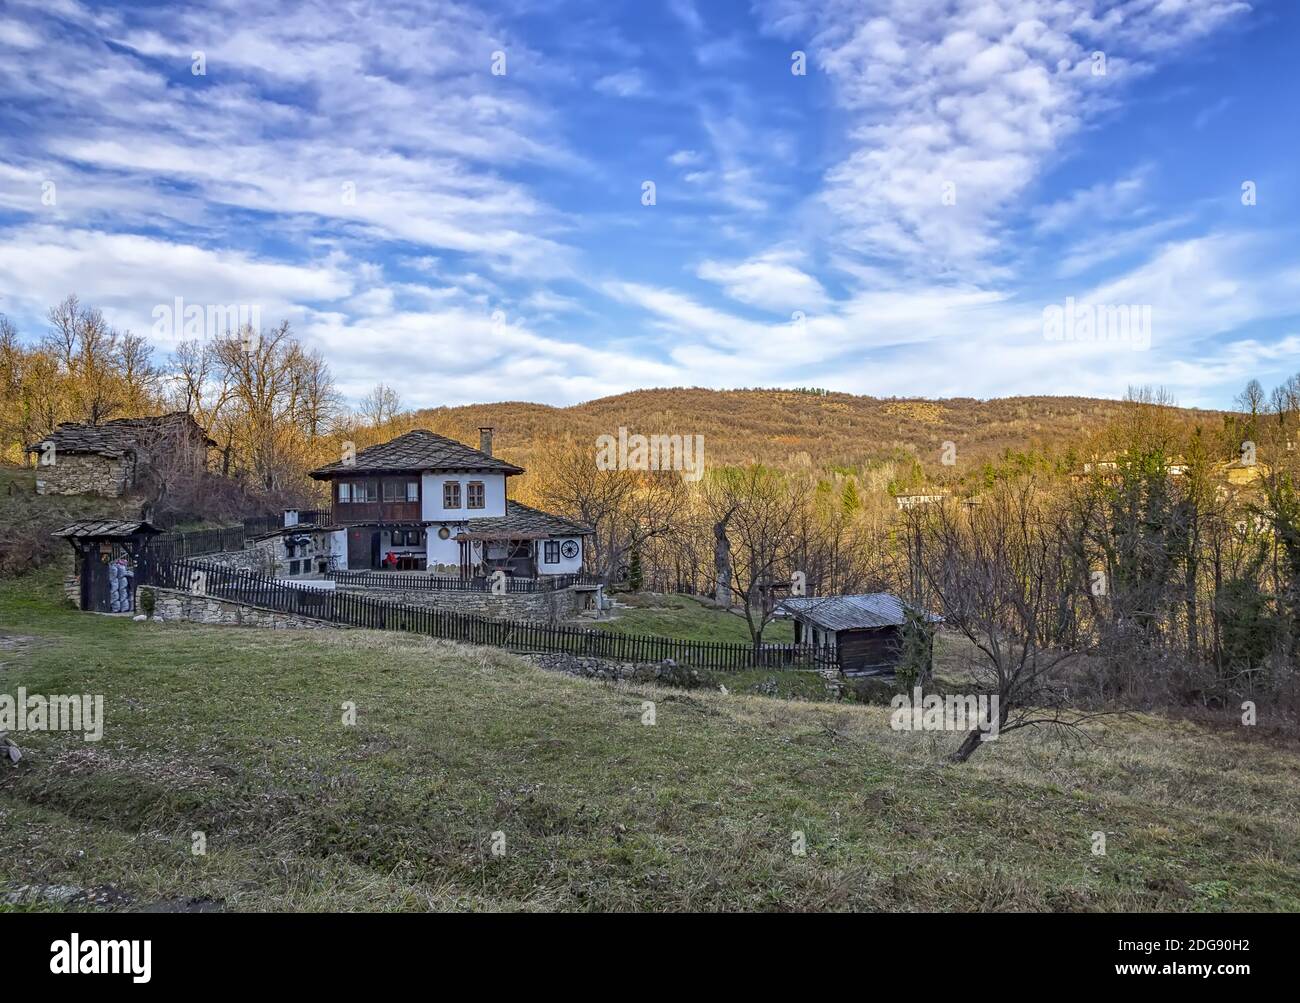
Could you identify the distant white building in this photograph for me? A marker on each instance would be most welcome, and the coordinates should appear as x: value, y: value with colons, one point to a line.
x: 905, y: 502
x: 423, y: 502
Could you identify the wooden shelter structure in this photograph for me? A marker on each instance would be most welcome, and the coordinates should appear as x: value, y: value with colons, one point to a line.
x: 864, y: 631
x: 99, y: 543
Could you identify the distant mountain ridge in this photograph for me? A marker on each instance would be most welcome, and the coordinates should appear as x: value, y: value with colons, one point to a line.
x: 797, y: 428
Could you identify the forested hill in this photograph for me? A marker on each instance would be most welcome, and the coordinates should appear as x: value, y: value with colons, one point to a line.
x: 795, y: 428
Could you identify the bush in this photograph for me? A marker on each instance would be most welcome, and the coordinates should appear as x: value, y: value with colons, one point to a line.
x: 875, y: 690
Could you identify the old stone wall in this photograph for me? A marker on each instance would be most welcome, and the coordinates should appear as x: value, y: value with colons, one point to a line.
x: 667, y: 673
x: 85, y: 474
x: 543, y: 607
x: 305, y: 560
x: 240, y: 560
x: 171, y: 604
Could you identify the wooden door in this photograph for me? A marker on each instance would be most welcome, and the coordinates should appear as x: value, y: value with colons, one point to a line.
x: 358, y: 548
x: 94, y: 582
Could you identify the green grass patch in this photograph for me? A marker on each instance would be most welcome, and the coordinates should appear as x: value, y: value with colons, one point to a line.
x: 686, y: 618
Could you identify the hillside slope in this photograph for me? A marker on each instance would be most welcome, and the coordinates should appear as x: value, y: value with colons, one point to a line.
x: 792, y: 429
x: 237, y: 733
x: 27, y: 519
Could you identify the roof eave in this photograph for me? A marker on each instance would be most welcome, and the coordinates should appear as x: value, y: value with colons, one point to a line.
x: 326, y: 473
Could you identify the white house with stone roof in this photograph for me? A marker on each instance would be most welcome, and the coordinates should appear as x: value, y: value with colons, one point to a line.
x: 423, y: 502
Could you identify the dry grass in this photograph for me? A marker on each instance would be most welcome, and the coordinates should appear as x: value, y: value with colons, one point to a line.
x: 237, y: 733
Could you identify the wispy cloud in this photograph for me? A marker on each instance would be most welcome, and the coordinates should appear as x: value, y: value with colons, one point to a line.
x: 955, y: 109
x: 457, y: 187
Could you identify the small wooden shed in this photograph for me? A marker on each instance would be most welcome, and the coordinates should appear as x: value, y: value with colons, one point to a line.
x: 98, y: 544
x: 865, y: 631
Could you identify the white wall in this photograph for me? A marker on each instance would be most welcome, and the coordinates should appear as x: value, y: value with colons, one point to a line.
x: 339, y: 546
x: 494, y: 496
x: 566, y: 566
x: 443, y: 551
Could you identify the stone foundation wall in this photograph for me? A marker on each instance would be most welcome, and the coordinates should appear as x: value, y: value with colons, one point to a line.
x: 543, y: 607
x: 171, y: 604
x: 85, y: 474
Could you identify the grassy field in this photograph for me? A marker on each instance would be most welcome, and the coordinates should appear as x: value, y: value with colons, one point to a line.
x: 685, y: 617
x: 237, y: 734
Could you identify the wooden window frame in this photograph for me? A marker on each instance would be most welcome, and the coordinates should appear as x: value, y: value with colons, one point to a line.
x: 451, y: 494
x: 551, y: 552
x: 470, y: 492
x: 361, y: 492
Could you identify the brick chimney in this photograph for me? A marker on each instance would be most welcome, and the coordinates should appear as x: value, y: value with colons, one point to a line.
x: 485, y: 439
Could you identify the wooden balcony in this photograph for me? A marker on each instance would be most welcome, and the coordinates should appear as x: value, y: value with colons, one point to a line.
x: 353, y: 513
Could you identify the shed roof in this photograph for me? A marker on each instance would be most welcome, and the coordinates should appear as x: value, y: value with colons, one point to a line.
x: 521, y: 522
x: 119, y: 436
x: 861, y: 612
x: 417, y: 450
x: 106, y: 528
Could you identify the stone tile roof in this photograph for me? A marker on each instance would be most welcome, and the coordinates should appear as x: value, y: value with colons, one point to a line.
x: 863, y: 612
x: 417, y: 450
x: 118, y: 436
x: 105, y: 527
x: 521, y: 523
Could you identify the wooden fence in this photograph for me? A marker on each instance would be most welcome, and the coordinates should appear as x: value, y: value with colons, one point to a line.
x: 414, y: 582
x: 379, y: 614
x: 204, y: 541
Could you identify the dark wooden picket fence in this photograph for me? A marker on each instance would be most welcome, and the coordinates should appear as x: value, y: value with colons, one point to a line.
x: 414, y: 582
x: 204, y: 541
x: 379, y: 614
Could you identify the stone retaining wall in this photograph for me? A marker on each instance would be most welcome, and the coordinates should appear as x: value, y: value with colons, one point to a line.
x: 544, y: 607
x: 172, y: 604
x: 667, y: 673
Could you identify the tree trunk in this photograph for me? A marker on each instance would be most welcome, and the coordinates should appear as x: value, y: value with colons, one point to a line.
x: 722, y: 562
x: 973, y: 739
x: 968, y: 746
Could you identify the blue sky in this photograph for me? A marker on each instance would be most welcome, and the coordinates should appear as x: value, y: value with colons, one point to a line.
x: 893, y: 222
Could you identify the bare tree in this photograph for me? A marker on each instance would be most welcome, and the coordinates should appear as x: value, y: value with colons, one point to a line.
x: 88, y: 353
x: 380, y: 406
x: 1006, y: 580
x: 627, y: 508
x: 755, y: 513
x: 320, y: 404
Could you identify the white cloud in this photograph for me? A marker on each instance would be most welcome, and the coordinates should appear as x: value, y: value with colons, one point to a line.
x: 1105, y: 200
x: 128, y: 275
x: 972, y: 94
x: 424, y: 170
x: 624, y: 84
x: 772, y: 281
